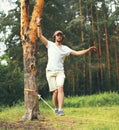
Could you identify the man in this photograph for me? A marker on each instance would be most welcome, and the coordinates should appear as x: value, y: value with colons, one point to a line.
x: 55, y: 66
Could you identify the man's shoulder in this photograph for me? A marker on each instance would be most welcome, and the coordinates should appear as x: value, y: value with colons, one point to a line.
x: 65, y: 46
x: 50, y: 43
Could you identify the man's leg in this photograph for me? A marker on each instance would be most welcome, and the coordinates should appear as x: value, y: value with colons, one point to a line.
x: 60, y: 97
x: 55, y: 98
x: 60, y: 82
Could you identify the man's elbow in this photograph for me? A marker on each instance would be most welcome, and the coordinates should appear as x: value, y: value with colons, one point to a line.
x: 74, y: 53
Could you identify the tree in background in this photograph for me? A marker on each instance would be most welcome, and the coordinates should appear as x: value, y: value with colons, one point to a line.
x: 11, y: 82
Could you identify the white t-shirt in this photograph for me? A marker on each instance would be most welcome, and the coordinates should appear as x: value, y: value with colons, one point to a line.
x: 56, y: 56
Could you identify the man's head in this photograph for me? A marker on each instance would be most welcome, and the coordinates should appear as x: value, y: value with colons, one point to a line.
x: 58, y: 36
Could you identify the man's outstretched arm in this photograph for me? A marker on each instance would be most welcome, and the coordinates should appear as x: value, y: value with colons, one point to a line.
x: 39, y: 32
x: 78, y: 53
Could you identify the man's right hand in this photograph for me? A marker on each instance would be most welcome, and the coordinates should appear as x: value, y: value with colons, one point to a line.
x: 39, y: 32
x: 38, y: 21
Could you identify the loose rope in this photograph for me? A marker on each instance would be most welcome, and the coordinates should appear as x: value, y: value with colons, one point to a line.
x: 45, y: 102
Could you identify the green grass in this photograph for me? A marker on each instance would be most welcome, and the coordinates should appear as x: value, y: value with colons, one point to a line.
x: 95, y: 112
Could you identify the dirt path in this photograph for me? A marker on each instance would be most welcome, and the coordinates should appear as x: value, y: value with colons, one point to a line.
x: 28, y: 125
x: 47, y: 123
x: 57, y: 123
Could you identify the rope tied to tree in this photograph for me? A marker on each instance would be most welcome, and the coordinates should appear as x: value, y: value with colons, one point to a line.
x: 31, y: 90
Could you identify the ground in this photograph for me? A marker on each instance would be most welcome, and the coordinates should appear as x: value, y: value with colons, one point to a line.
x: 27, y: 125
x: 45, y: 124
x: 87, y: 118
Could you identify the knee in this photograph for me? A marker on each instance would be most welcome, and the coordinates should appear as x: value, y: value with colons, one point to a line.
x: 55, y: 92
x: 60, y: 89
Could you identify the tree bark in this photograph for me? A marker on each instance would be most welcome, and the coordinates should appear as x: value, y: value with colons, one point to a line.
x: 29, y: 44
x: 107, y: 43
x: 82, y: 40
x: 116, y: 62
x: 100, y: 75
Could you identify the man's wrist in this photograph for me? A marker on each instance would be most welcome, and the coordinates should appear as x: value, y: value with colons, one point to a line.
x: 38, y: 25
x: 89, y: 49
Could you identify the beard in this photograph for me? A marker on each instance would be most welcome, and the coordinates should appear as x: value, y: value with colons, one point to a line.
x: 59, y: 40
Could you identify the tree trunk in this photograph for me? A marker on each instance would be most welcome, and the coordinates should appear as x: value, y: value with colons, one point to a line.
x: 116, y: 62
x: 29, y: 44
x: 82, y: 21
x: 100, y: 75
x: 107, y: 43
x: 82, y: 40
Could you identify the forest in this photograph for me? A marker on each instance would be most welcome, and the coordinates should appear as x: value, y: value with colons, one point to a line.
x: 85, y: 23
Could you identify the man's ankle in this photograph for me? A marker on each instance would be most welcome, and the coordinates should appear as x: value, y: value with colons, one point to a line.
x: 59, y: 109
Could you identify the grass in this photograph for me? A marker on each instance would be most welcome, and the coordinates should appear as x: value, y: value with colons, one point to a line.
x: 95, y: 112
x: 87, y: 118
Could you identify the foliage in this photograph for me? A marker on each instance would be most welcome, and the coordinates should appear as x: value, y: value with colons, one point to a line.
x: 11, y: 83
x: 97, y: 100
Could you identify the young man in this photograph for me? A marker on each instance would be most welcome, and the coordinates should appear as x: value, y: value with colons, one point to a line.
x: 55, y: 66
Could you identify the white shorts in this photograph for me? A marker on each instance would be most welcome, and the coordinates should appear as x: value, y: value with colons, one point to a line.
x: 55, y: 79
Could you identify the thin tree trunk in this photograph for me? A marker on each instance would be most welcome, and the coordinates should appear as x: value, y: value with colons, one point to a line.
x: 100, y: 77
x: 90, y: 72
x: 94, y: 42
x: 107, y: 44
x: 81, y: 16
x: 116, y: 62
x: 115, y: 48
x: 82, y: 40
x: 29, y: 44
